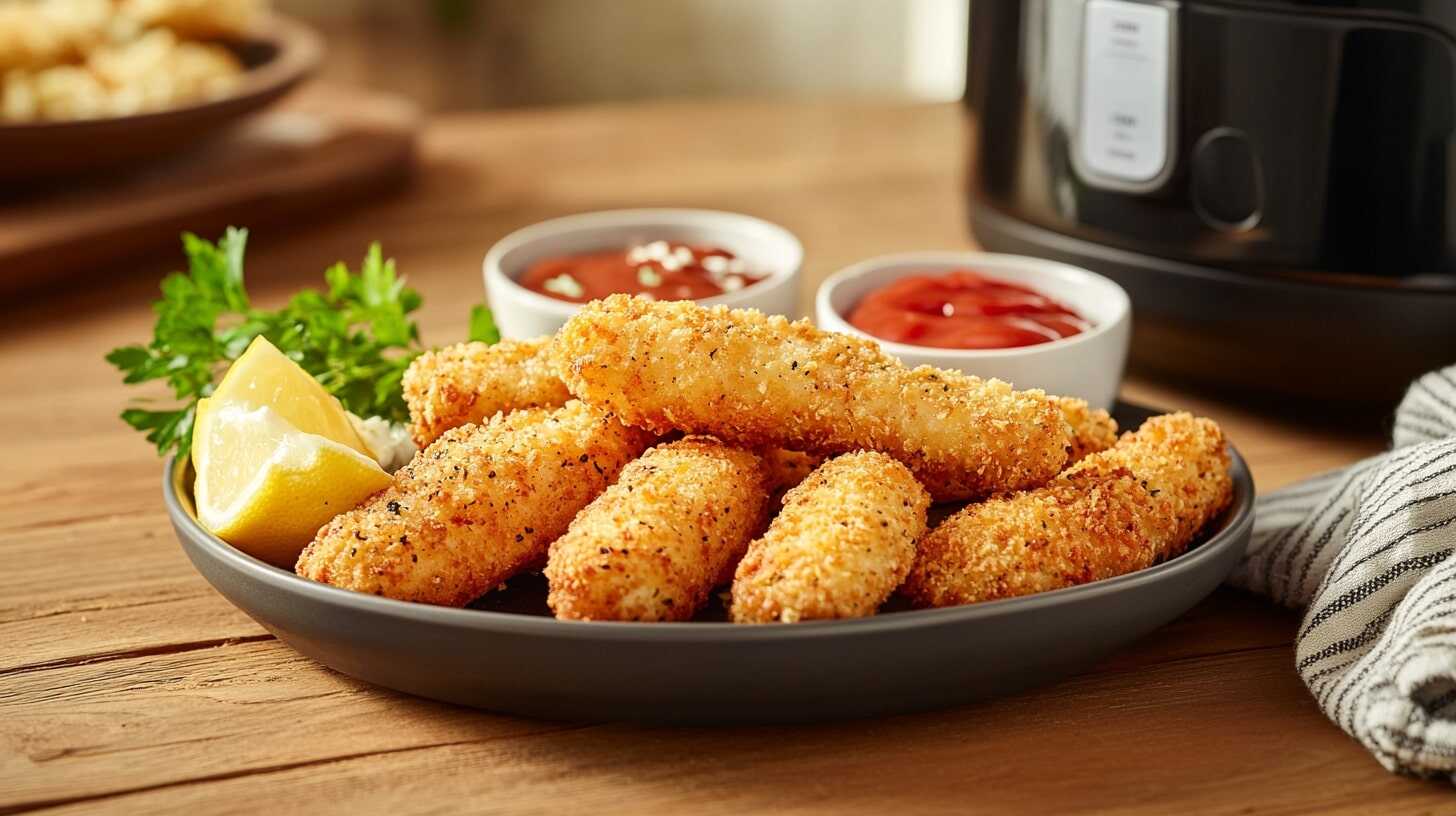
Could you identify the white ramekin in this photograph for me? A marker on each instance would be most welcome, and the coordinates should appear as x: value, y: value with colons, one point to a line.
x: 1087, y: 365
x: 767, y: 248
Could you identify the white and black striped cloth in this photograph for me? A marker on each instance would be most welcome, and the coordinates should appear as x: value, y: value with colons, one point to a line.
x: 1367, y: 550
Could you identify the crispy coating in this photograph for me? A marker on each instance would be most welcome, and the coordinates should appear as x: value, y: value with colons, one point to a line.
x: 763, y: 381
x: 1093, y: 430
x: 843, y: 542
x: 1114, y: 512
x: 655, y: 544
x: 475, y: 507
x: 468, y: 382
x: 788, y: 468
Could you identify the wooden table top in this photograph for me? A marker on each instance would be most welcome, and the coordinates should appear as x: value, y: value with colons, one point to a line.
x: 128, y: 684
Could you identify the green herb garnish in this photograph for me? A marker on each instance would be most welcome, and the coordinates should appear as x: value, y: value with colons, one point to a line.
x: 356, y: 339
x: 482, y: 326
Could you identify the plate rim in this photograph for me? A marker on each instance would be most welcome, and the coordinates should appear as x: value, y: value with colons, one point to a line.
x: 1238, y: 520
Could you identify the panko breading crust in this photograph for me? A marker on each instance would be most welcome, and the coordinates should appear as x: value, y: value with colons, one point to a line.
x: 842, y: 543
x: 655, y: 544
x: 468, y: 382
x: 1114, y: 512
x: 787, y: 468
x: 475, y: 507
x: 1093, y: 430
x: 763, y: 381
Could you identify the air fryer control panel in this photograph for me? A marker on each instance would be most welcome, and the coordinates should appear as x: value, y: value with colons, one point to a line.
x: 1231, y: 133
x: 1123, y: 139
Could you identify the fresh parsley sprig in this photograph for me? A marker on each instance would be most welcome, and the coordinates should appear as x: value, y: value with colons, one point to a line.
x: 356, y: 338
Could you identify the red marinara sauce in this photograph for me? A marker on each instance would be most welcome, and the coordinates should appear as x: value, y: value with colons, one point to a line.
x: 964, y: 310
x: 659, y: 269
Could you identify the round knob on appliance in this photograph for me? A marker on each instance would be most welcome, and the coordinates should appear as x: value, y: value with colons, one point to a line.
x: 1228, y: 189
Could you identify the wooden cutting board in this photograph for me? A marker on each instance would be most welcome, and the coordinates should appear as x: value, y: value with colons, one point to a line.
x: 320, y: 149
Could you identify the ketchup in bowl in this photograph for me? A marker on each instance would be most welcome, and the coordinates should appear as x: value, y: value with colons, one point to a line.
x: 660, y: 270
x: 963, y: 310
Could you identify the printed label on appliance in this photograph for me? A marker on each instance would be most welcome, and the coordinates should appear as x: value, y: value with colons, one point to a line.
x: 1125, y: 64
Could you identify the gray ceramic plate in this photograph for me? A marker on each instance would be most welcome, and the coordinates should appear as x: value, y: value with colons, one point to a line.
x: 509, y: 656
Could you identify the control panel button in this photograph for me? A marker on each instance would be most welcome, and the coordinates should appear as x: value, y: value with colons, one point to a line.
x: 1227, y: 187
x: 1126, y: 66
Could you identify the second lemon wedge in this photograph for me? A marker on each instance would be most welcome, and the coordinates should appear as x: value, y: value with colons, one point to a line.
x: 265, y: 486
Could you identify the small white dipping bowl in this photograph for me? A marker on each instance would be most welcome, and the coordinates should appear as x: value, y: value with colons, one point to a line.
x: 768, y: 250
x: 1087, y: 365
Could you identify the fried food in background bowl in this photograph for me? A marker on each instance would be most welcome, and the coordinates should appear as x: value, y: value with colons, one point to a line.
x: 88, y: 59
x: 86, y: 84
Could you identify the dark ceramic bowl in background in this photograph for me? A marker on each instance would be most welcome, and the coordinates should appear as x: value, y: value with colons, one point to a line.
x: 277, y: 59
x: 716, y: 672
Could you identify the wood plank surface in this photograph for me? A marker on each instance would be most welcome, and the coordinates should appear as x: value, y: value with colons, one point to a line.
x: 128, y: 685
x: 328, y: 147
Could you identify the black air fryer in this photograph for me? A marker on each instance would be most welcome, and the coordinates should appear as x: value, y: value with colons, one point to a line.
x: 1273, y: 181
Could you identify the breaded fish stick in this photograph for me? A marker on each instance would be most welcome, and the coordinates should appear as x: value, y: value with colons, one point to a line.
x: 843, y: 542
x: 1092, y: 430
x: 1112, y: 513
x: 475, y: 507
x: 655, y: 544
x: 763, y: 381
x: 471, y: 382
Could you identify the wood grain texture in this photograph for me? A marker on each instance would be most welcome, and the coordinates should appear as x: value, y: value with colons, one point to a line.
x: 128, y: 685
x: 329, y: 148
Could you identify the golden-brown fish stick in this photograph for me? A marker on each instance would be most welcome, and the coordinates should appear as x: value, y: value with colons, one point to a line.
x: 470, y: 382
x: 1112, y: 513
x: 843, y: 542
x: 1093, y: 430
x: 655, y: 544
x: 763, y: 381
x: 475, y: 507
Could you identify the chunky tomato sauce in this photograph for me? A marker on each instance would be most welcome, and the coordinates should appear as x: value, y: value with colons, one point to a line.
x: 963, y: 310
x: 662, y: 270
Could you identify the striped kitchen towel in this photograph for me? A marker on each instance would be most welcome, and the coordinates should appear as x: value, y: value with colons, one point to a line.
x: 1366, y: 551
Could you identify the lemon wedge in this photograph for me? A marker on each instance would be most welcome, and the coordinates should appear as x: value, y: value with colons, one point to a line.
x: 264, y: 376
x: 266, y: 486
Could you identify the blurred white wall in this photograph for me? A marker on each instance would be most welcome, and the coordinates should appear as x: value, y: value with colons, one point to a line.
x: 525, y: 52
